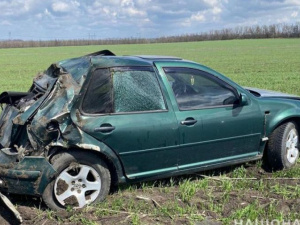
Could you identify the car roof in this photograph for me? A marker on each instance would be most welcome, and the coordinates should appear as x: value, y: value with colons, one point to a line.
x: 80, y: 66
x: 139, y: 60
x: 105, y: 58
x: 157, y: 57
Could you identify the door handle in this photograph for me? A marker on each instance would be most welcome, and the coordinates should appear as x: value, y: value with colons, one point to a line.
x: 104, y: 129
x: 188, y: 122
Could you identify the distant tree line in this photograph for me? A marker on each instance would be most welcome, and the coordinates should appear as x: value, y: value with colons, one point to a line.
x: 243, y: 32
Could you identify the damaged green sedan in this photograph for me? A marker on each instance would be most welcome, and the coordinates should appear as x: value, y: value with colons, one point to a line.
x: 95, y: 121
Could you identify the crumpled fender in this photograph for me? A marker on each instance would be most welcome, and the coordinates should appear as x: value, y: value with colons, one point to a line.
x: 75, y: 138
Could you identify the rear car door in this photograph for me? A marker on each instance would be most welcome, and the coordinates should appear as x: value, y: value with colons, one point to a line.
x: 213, y: 127
x: 124, y: 107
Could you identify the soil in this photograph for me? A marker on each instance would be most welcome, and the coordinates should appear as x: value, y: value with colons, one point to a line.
x: 71, y: 201
x: 33, y: 211
x: 62, y: 186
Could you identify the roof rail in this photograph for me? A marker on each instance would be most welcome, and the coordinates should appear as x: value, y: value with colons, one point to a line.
x: 102, y: 52
x: 158, y: 57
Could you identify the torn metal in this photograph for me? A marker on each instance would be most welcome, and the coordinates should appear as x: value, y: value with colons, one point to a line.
x: 33, y: 123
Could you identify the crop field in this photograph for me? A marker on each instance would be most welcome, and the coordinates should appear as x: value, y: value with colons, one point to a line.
x: 269, y: 64
x: 239, y: 193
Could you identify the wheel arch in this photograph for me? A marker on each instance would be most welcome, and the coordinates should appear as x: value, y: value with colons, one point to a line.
x: 105, y: 153
x: 276, y: 123
x: 295, y: 119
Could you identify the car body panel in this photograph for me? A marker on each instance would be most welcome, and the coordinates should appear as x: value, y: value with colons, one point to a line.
x: 279, y: 110
x: 236, y: 128
x: 270, y: 94
x: 278, y: 107
x: 30, y: 176
x: 151, y: 137
x: 137, y: 137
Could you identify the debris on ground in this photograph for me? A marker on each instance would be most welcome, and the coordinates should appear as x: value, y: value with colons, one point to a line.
x: 6, y: 203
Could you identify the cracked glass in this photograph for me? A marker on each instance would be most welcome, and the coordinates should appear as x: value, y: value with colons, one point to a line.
x: 124, y: 89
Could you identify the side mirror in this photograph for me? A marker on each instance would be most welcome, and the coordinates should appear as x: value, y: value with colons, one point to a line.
x: 244, y: 99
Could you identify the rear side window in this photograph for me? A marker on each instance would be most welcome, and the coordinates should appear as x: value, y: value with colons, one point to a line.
x: 98, y: 98
x: 117, y: 90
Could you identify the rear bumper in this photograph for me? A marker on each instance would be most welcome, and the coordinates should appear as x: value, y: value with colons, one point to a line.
x: 29, y: 176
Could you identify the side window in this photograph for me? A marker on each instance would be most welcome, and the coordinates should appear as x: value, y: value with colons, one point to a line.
x: 136, y: 90
x: 123, y: 89
x: 195, y: 89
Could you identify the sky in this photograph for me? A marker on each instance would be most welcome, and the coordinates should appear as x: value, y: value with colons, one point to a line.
x: 103, y: 19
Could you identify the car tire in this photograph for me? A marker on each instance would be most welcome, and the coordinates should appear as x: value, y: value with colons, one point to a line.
x: 283, y: 150
x: 82, y: 178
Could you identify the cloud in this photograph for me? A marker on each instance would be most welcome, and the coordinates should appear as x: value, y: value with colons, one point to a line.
x: 5, y: 23
x: 199, y: 17
x: 135, y: 12
x: 49, y: 19
x: 125, y: 3
x: 216, y: 10
x: 294, y: 14
x: 60, y: 7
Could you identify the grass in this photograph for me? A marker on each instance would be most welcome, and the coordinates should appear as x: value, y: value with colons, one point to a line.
x: 238, y: 193
x: 270, y: 64
x: 225, y: 198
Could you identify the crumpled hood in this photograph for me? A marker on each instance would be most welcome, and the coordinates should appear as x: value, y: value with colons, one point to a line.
x: 270, y: 94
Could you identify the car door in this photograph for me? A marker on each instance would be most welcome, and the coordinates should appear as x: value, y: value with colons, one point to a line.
x: 124, y: 107
x: 213, y: 127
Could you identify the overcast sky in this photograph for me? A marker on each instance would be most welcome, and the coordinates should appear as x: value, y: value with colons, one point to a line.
x: 74, y: 19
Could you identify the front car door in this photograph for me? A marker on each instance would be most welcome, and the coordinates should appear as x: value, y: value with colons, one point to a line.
x: 213, y: 127
x: 124, y: 108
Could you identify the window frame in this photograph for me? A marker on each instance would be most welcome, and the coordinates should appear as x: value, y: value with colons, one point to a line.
x: 122, y: 68
x: 210, y: 76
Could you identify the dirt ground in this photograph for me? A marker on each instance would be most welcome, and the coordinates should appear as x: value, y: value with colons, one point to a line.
x: 33, y: 211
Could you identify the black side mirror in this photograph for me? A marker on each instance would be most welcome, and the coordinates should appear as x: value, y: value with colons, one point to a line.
x: 244, y: 99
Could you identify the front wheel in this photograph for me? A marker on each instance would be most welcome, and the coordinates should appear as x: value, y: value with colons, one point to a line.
x: 283, y: 150
x: 81, y: 179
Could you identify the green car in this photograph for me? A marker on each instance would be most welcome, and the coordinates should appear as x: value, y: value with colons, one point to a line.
x: 98, y: 120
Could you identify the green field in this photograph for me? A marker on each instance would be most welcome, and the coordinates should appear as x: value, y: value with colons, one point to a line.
x: 270, y: 64
x: 236, y: 193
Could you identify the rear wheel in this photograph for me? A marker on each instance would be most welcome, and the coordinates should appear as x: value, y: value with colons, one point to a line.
x: 283, y: 150
x: 81, y: 179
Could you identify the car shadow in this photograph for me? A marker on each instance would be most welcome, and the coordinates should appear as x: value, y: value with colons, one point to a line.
x: 251, y: 170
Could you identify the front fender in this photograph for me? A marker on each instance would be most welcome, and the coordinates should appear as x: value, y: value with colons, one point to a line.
x: 274, y: 119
